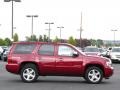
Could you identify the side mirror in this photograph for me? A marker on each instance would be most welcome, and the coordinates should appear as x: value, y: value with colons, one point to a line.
x: 75, y: 54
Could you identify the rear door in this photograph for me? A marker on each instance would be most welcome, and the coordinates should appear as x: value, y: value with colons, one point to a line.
x: 46, y: 55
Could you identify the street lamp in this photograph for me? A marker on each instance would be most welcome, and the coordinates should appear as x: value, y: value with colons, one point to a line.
x: 49, y: 30
x: 114, y: 35
x: 60, y: 31
x: 12, y: 14
x: 81, y: 29
x: 32, y: 16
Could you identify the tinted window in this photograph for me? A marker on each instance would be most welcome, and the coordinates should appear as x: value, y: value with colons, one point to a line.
x: 65, y: 51
x: 24, y: 48
x: 46, y: 50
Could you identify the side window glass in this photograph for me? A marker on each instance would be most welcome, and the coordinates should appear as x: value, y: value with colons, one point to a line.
x: 65, y: 51
x: 46, y: 50
x: 24, y: 48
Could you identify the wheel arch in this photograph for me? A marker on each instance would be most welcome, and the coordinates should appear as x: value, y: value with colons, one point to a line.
x: 29, y: 62
x: 96, y: 65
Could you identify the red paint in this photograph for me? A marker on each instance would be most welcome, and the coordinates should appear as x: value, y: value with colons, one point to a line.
x: 56, y: 65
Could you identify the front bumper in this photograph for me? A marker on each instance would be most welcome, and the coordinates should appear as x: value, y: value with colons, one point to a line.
x: 108, y: 72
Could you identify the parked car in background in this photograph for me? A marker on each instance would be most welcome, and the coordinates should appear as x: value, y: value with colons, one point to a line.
x: 91, y: 50
x: 1, y: 51
x: 104, y: 52
x: 114, y: 53
x: 5, y: 53
x: 33, y: 59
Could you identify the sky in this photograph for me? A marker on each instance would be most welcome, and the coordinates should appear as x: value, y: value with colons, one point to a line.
x: 99, y: 18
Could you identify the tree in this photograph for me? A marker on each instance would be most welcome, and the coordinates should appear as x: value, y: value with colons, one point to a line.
x: 31, y: 38
x: 40, y: 38
x: 8, y: 41
x: 93, y: 42
x: 56, y: 39
x: 2, y: 42
x: 85, y: 42
x: 34, y: 38
x: 15, y: 37
x: 100, y: 43
x: 108, y: 45
x: 45, y: 38
x: 72, y: 41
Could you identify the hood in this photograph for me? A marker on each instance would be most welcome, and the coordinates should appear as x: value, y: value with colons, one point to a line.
x: 95, y: 58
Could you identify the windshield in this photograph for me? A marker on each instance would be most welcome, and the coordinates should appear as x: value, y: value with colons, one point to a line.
x: 116, y: 50
x: 91, y: 50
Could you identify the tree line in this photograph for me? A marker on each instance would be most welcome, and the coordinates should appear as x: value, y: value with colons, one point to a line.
x: 44, y: 38
x: 8, y: 41
x: 71, y: 40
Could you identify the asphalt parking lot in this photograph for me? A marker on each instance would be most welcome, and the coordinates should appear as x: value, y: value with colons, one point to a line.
x: 13, y: 82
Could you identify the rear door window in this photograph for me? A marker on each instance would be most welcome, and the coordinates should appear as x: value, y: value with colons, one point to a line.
x: 46, y: 49
x: 24, y: 48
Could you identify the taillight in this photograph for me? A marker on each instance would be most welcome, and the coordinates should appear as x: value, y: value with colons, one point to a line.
x: 12, y: 60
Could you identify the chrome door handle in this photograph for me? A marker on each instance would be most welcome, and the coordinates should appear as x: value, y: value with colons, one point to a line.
x: 60, y: 59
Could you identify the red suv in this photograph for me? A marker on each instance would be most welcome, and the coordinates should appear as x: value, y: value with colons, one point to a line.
x: 33, y: 59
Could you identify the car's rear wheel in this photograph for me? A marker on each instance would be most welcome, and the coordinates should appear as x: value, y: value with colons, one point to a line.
x: 29, y: 73
x: 94, y: 75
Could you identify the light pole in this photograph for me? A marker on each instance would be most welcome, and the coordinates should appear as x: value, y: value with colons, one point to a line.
x: 81, y: 31
x: 12, y: 24
x: 114, y: 35
x: 49, y: 23
x: 32, y: 16
x: 60, y: 31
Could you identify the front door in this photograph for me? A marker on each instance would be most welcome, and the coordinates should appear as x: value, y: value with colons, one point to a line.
x: 66, y: 64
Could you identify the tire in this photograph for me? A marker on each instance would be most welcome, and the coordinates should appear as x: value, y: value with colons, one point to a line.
x: 94, y: 75
x: 29, y: 73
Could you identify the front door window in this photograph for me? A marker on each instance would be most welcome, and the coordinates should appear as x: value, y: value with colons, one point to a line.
x: 65, y: 51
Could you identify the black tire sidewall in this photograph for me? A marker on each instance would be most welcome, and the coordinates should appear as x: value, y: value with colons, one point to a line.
x: 91, y: 68
x: 32, y: 66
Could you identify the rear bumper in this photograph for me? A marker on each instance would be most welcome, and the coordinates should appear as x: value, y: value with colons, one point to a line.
x: 12, y: 68
x: 109, y: 72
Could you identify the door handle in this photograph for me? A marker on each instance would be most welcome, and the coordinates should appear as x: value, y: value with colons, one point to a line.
x: 61, y: 59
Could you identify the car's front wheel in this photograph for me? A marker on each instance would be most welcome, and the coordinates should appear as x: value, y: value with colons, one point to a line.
x: 29, y: 73
x: 94, y: 75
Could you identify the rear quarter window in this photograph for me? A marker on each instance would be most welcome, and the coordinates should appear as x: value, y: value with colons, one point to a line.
x: 24, y: 48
